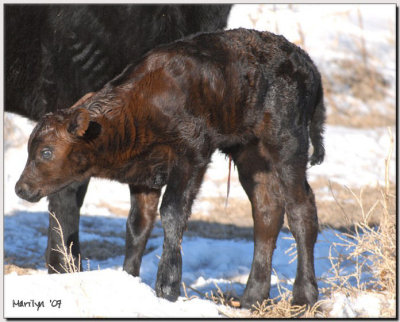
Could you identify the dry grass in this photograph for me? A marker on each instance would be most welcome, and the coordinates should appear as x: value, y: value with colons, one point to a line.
x: 69, y: 265
x: 359, y: 77
x: 363, y: 121
x: 281, y: 307
x: 363, y: 81
x: 372, y: 250
x: 356, y: 74
x: 352, y: 77
x: 11, y: 268
x: 342, y: 210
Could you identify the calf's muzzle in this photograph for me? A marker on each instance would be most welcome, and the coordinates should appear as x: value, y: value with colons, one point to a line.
x: 27, y: 192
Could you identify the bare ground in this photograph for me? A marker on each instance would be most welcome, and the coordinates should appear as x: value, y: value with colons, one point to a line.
x: 339, y: 210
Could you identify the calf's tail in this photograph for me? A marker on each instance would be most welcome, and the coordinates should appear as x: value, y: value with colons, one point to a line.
x: 316, y: 129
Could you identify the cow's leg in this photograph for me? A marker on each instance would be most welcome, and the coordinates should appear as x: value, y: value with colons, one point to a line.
x: 65, y: 206
x: 138, y: 226
x: 182, y: 187
x: 303, y: 223
x: 261, y: 184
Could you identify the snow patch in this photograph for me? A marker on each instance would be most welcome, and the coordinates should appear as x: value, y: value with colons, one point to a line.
x: 362, y: 304
x: 100, y: 294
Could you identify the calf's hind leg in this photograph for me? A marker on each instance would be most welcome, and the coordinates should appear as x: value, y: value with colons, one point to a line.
x: 138, y: 226
x: 303, y: 223
x: 262, y: 187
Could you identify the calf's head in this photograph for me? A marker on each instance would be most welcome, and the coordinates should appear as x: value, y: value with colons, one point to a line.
x: 58, y: 153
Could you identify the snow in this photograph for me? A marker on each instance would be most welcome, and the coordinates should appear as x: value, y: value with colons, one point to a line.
x: 354, y: 157
x: 321, y: 24
x: 362, y: 305
x: 81, y: 296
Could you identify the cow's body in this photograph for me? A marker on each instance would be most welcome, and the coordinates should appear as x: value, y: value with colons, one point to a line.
x: 252, y: 95
x: 56, y: 53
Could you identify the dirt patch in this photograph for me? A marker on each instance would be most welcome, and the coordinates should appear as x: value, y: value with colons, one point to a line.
x: 340, y: 209
x: 237, y: 212
x: 218, y: 230
x: 10, y: 268
x: 101, y: 249
x: 119, y: 212
x: 362, y: 121
x: 337, y: 208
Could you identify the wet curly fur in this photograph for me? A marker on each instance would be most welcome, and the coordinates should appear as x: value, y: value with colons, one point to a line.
x: 253, y: 95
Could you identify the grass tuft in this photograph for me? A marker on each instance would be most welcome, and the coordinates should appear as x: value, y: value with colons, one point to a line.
x: 69, y: 265
x: 371, y: 250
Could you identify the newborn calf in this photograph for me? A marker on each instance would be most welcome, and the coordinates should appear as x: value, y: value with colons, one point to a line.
x: 253, y: 95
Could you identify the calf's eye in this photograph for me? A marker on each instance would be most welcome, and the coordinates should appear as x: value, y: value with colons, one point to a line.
x: 46, y: 154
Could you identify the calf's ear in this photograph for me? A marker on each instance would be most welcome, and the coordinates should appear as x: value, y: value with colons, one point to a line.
x: 82, y: 126
x: 79, y: 122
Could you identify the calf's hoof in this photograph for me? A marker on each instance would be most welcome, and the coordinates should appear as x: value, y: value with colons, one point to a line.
x: 132, y: 269
x: 252, y: 299
x: 305, y: 293
x: 168, y: 292
x: 168, y: 284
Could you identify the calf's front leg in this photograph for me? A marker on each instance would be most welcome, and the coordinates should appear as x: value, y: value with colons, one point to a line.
x: 65, y: 206
x: 182, y: 187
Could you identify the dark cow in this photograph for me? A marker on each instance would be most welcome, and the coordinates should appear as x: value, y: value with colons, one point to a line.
x: 56, y: 53
x: 253, y: 95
